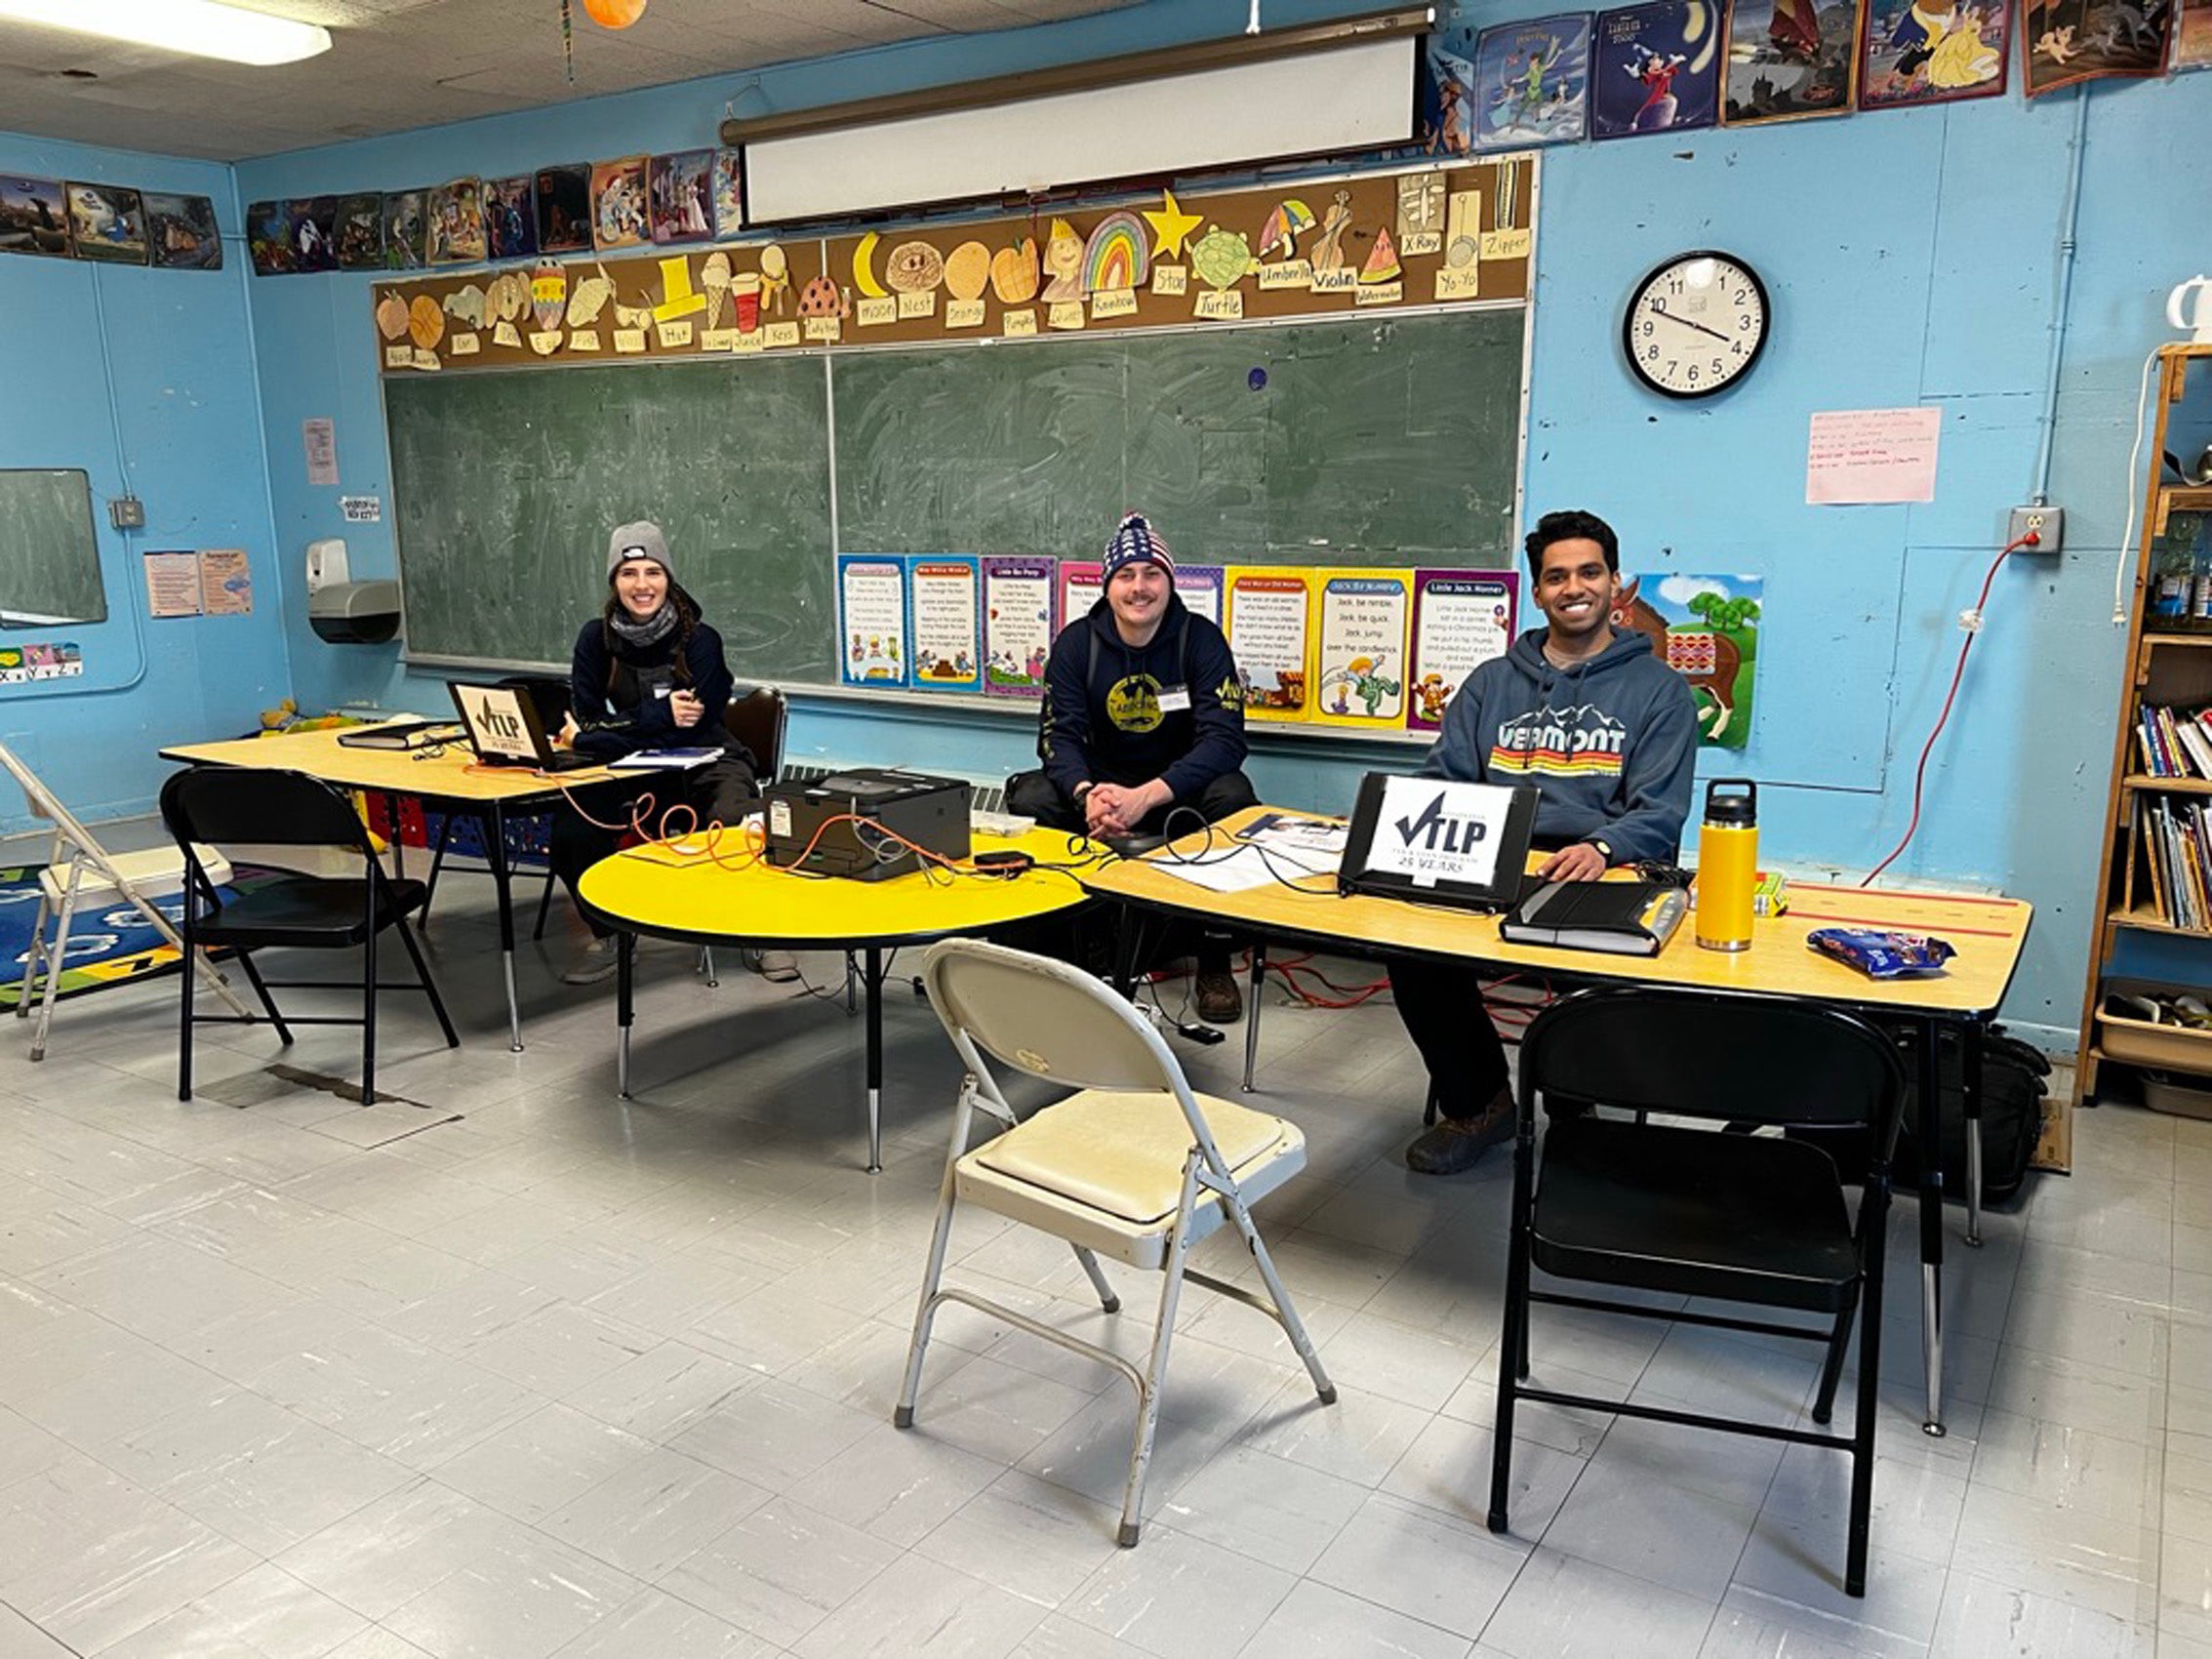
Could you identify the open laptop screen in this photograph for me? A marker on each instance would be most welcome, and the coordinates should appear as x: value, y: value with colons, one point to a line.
x: 1439, y: 840
x: 501, y: 725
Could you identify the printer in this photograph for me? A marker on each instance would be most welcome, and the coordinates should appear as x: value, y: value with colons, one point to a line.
x: 859, y: 823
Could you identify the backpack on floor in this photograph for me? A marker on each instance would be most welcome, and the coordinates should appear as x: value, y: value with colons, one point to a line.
x: 2012, y: 1116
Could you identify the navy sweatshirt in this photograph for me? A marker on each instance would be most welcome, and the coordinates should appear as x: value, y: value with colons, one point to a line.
x: 1611, y: 742
x: 619, y: 718
x: 1105, y: 725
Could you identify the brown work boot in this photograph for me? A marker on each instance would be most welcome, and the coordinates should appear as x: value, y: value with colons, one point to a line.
x: 1220, y: 1001
x: 1459, y: 1143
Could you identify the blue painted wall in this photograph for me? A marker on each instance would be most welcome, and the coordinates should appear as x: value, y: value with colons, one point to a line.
x: 1914, y: 259
x: 145, y: 380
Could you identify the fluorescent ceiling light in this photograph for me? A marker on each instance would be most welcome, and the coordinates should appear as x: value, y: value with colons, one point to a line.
x: 205, y: 28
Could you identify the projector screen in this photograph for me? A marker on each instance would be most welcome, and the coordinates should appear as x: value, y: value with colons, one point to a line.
x: 1358, y: 96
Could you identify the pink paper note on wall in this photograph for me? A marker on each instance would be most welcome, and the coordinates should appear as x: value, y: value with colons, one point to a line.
x: 1871, y: 454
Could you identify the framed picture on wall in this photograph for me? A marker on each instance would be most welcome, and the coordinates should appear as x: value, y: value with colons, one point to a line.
x: 1532, y: 83
x: 619, y: 218
x: 681, y: 192
x: 182, y: 233
x: 511, y: 218
x: 34, y: 216
x: 2059, y: 45
x: 107, y: 222
x: 564, y: 208
x: 1914, y: 52
x: 1655, y: 68
x: 1788, y: 60
x: 406, y: 230
x: 457, y: 222
x: 361, y: 231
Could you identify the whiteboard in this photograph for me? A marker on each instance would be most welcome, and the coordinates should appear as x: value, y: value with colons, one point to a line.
x: 1356, y: 96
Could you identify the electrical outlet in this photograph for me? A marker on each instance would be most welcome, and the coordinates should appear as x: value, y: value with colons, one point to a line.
x: 127, y: 512
x: 2047, y: 522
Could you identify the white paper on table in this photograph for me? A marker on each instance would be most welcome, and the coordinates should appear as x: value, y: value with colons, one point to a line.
x: 1249, y: 865
x: 1871, y: 454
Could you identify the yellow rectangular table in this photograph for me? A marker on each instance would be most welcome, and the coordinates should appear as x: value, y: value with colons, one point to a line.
x: 1987, y: 932
x: 451, y: 776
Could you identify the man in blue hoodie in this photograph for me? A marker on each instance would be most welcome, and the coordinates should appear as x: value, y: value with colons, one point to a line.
x: 1142, y: 730
x: 1608, y: 735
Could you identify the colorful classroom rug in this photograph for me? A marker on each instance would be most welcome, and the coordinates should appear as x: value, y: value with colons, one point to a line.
x: 108, y: 945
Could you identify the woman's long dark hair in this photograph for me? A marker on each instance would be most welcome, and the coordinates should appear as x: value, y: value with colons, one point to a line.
x: 687, y: 620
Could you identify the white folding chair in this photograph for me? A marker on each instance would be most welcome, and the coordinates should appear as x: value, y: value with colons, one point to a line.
x: 1134, y: 1165
x: 79, y: 874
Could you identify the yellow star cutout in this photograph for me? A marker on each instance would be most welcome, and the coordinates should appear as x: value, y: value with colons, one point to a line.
x: 1171, y: 224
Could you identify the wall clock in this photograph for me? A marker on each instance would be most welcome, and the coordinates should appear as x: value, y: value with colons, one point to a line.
x: 1696, y: 324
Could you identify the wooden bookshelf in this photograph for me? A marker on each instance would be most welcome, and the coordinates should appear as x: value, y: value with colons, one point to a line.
x: 2167, y: 668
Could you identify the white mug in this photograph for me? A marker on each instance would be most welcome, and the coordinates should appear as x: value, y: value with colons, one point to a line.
x: 2194, y: 317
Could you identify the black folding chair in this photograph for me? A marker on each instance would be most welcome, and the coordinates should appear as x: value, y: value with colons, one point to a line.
x: 1698, y: 1211
x: 551, y: 697
x: 218, y: 804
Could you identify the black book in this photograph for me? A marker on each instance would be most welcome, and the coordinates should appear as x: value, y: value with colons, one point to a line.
x: 1633, y: 918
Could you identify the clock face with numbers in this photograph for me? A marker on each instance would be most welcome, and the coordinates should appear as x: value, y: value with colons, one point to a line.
x: 1696, y: 324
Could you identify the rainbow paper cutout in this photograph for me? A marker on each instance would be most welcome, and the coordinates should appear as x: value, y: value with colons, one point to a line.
x: 1117, y: 255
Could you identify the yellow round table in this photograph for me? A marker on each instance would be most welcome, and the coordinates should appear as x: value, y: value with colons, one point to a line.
x: 677, y: 890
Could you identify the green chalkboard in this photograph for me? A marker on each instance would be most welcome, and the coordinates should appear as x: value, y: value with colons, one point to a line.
x: 49, y: 554
x: 1369, y: 440
x: 505, y: 485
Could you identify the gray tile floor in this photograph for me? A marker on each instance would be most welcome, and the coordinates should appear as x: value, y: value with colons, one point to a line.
x: 502, y: 1366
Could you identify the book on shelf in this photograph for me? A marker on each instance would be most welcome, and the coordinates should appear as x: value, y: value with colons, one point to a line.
x: 2173, y: 741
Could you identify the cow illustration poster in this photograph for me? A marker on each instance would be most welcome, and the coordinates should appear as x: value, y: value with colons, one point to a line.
x: 1706, y: 630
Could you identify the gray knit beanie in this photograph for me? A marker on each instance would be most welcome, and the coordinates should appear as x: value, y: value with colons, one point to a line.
x: 640, y: 541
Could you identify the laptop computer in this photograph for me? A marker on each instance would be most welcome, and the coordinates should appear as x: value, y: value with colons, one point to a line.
x: 502, y: 727
x: 1440, y: 841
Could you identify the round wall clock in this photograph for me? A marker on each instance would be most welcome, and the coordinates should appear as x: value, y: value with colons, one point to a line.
x: 1696, y: 324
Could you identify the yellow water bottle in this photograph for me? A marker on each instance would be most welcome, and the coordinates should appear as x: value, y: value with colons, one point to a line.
x: 1728, y: 864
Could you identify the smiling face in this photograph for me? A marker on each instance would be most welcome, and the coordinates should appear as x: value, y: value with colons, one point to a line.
x: 642, y: 585
x: 1575, y: 593
x: 1139, y: 594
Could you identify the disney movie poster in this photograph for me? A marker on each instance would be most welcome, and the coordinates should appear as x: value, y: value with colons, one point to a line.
x: 1932, y: 51
x: 1656, y: 69
x: 1789, y: 58
x: 1532, y: 83
x: 2066, y: 41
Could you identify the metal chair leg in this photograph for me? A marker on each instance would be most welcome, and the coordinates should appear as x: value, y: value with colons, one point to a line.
x: 925, y: 1310
x: 706, y: 965
x: 1107, y: 1297
x: 31, y: 958
x: 1155, y: 1370
x: 55, y: 957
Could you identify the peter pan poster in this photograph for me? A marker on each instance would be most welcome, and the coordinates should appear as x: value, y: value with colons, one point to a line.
x: 1706, y: 630
x: 1532, y: 83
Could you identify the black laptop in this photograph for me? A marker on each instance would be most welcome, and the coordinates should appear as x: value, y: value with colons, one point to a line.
x: 502, y: 727
x: 1438, y: 841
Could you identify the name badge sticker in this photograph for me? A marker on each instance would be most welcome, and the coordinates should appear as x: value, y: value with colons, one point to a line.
x: 1175, y: 698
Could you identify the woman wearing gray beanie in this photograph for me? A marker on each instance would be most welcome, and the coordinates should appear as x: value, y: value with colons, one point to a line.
x: 647, y: 672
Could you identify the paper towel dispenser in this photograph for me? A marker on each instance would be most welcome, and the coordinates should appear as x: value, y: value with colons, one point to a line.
x: 355, y: 612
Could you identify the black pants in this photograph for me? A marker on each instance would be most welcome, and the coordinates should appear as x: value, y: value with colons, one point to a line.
x: 1442, y: 1005
x: 1033, y: 794
x: 719, y: 793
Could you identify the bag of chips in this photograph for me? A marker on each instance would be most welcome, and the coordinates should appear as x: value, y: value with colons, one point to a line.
x: 1880, y: 954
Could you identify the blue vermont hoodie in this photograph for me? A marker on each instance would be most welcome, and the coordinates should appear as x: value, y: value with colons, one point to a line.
x: 1611, y: 742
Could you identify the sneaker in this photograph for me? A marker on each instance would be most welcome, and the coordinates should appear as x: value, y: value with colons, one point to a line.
x: 1220, y: 1002
x: 776, y: 967
x: 594, y: 962
x: 1459, y: 1143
